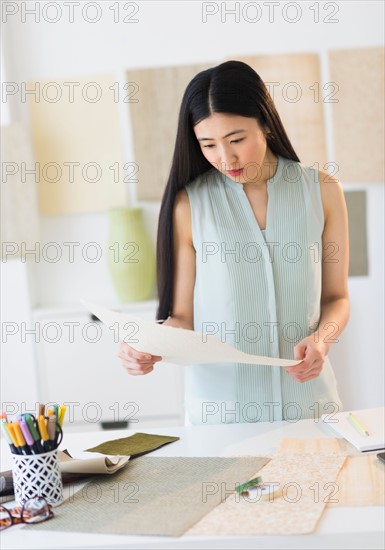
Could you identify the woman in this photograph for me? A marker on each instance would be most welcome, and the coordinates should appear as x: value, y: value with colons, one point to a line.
x: 252, y: 247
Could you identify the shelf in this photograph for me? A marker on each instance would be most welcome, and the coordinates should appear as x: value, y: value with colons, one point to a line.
x: 78, y: 309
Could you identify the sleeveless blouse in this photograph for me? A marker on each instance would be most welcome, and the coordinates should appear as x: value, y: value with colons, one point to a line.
x: 258, y: 291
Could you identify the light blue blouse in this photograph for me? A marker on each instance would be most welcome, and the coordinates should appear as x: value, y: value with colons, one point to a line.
x: 258, y: 291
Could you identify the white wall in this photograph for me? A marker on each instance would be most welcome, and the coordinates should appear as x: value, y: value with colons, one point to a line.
x: 172, y: 33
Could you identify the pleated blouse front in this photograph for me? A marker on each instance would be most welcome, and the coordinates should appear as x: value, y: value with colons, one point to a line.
x: 259, y: 292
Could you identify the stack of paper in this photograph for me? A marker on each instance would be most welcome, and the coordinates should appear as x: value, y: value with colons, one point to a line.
x: 372, y: 420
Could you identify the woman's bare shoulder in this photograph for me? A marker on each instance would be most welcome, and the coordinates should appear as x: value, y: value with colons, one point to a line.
x: 182, y: 215
x: 181, y: 199
x: 332, y: 193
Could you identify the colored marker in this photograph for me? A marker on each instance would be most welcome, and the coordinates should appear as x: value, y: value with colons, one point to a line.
x: 28, y: 437
x: 52, y: 430
x: 21, y: 443
x: 11, y: 431
x: 62, y: 411
x: 35, y: 434
x: 8, y: 437
x: 43, y: 433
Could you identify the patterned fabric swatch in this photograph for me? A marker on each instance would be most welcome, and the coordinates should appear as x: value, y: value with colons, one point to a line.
x: 153, y: 496
x: 307, y: 483
x: 361, y: 480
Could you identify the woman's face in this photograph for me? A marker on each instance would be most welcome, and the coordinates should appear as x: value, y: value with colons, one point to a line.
x: 236, y: 146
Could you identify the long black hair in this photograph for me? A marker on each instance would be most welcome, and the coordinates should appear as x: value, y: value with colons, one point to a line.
x: 233, y: 87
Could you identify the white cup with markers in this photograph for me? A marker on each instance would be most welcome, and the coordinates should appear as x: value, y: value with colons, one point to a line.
x: 33, y: 444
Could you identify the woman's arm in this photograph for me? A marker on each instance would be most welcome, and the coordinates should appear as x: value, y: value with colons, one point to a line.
x: 335, y: 307
x: 184, y: 265
x: 138, y: 363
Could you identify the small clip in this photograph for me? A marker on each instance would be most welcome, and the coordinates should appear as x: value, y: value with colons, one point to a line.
x: 245, y: 486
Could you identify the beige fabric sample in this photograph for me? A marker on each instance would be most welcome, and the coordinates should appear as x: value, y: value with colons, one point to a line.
x: 323, y: 445
x: 294, y: 82
x: 77, y: 130
x: 153, y: 496
x: 361, y: 482
x: 358, y: 115
x: 98, y: 465
x: 154, y: 120
x: 306, y: 480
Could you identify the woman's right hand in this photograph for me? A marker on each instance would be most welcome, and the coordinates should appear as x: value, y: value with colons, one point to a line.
x: 136, y: 362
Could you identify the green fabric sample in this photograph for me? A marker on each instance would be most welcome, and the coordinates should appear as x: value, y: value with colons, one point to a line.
x: 134, y: 445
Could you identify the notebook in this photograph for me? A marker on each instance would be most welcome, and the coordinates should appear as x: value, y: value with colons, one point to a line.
x: 371, y: 420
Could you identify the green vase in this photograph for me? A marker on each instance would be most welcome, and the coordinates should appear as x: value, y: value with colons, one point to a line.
x: 131, y: 257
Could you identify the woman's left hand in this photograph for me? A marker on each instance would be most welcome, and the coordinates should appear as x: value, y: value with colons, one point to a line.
x: 313, y: 355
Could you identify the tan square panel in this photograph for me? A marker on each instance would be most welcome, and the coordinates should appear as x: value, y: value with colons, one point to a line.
x: 358, y: 244
x: 294, y: 83
x: 19, y: 209
x: 358, y: 116
x: 154, y: 122
x: 81, y: 126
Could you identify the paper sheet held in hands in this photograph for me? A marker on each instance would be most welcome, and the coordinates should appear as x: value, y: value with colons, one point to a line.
x: 177, y: 345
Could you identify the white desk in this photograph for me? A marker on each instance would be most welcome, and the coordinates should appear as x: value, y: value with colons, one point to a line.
x: 350, y: 528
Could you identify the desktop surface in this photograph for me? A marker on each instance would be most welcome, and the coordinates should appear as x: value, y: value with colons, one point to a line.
x: 345, y: 527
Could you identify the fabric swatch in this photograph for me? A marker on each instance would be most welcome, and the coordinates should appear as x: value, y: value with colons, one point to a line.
x: 358, y: 239
x: 84, y: 133
x: 293, y: 81
x: 345, y: 92
x: 297, y: 445
x: 134, y: 445
x: 361, y: 482
x: 153, y: 496
x: 157, y: 93
x: 98, y: 465
x: 307, y: 482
